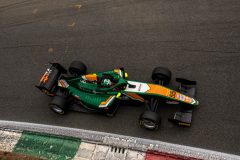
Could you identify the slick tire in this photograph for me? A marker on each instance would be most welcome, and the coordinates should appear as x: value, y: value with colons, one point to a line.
x: 150, y: 120
x: 59, y: 105
x: 77, y: 68
x: 161, y: 74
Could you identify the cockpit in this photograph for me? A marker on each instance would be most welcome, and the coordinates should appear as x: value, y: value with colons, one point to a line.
x: 110, y: 81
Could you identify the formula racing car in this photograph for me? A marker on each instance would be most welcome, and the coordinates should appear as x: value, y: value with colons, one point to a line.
x: 102, y: 92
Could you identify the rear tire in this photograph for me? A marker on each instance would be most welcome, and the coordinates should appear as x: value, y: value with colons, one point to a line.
x: 150, y: 120
x: 77, y: 68
x: 161, y: 74
x: 59, y: 105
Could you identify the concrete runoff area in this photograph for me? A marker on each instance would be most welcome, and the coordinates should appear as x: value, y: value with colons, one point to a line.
x: 198, y: 40
x: 47, y: 141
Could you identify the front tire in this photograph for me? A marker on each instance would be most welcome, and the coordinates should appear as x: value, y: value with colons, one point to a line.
x: 161, y: 74
x: 77, y: 68
x: 150, y: 120
x: 59, y: 105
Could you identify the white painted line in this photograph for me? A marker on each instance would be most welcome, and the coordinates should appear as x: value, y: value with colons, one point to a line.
x: 8, y: 140
x: 121, y: 141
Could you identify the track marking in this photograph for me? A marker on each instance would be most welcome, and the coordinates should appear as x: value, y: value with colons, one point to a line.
x: 72, y: 24
x: 76, y: 6
x: 50, y: 50
x: 35, y: 11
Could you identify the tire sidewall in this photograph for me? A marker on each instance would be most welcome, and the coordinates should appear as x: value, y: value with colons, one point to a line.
x: 149, y: 116
x: 161, y: 74
x: 60, y: 103
x: 77, y: 68
x: 143, y: 124
x: 54, y: 107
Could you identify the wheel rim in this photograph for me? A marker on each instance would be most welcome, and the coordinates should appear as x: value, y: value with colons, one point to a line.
x: 149, y: 124
x: 57, y: 109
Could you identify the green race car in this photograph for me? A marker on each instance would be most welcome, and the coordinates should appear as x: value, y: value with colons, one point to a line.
x: 103, y: 91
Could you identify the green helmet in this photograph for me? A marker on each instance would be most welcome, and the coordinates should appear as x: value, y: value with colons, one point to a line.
x: 106, y: 82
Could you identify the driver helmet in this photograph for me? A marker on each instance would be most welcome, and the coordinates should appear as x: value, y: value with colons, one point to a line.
x: 106, y: 82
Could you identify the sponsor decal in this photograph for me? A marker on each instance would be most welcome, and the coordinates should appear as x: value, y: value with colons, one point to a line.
x: 63, y: 83
x: 105, y: 104
x: 45, y: 76
x: 181, y: 97
x: 140, y: 86
x: 172, y: 94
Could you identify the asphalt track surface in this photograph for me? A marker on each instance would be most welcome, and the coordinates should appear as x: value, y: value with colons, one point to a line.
x: 199, y: 40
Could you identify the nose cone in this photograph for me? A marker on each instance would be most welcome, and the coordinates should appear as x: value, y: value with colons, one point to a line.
x: 195, y: 102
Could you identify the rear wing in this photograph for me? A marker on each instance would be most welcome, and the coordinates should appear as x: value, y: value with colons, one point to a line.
x: 49, y: 79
